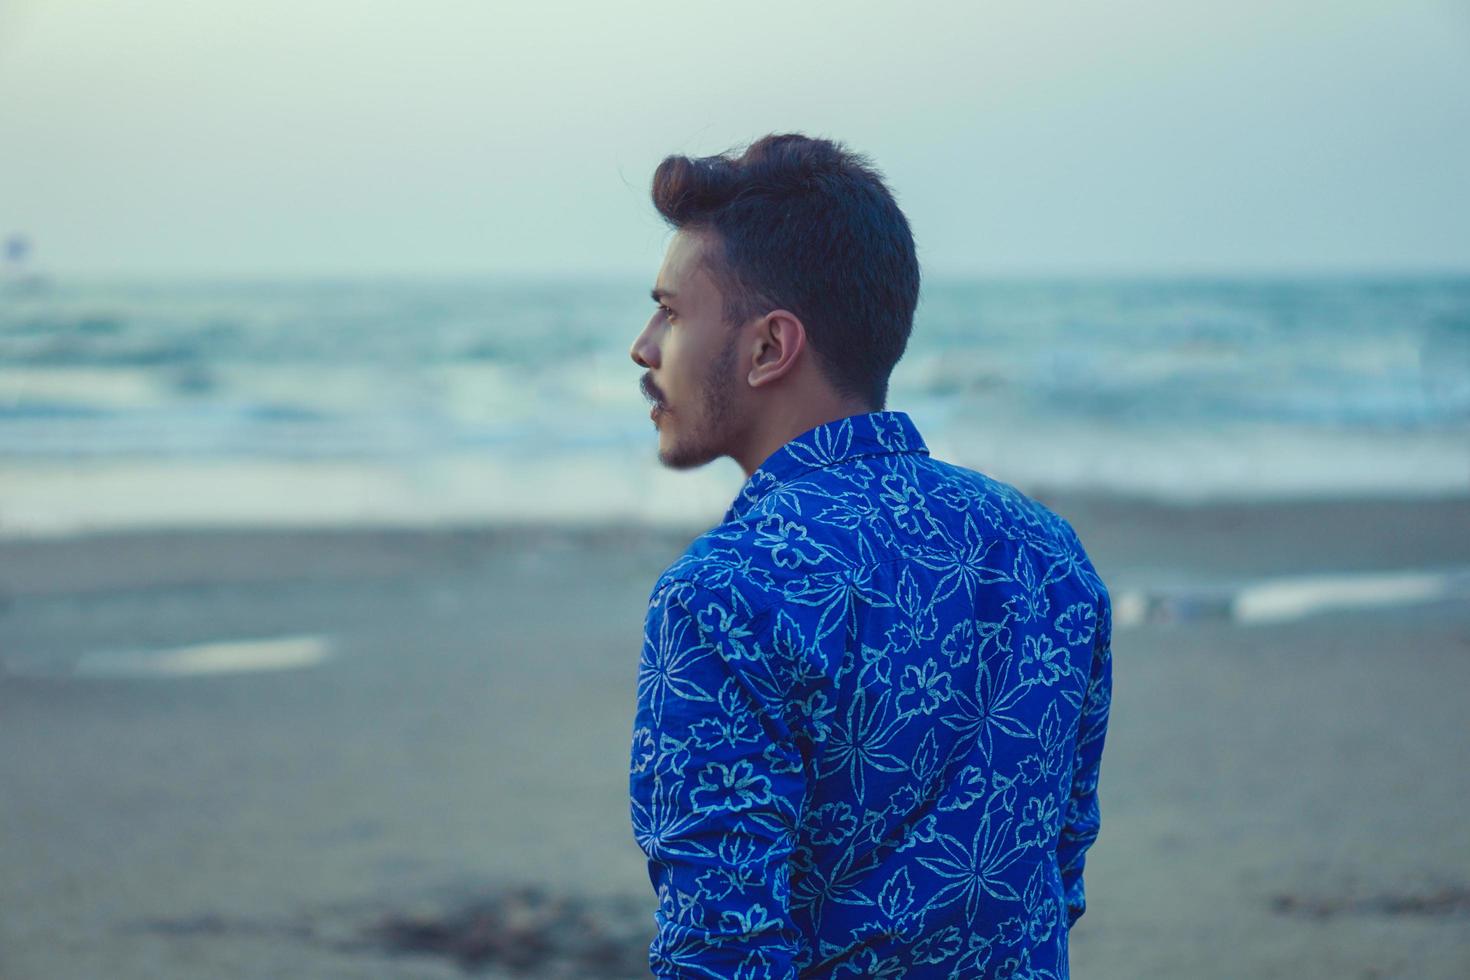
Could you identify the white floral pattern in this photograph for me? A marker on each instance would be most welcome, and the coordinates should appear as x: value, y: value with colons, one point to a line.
x: 871, y: 712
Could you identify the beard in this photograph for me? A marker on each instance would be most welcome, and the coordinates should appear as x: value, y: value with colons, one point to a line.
x: 705, y: 438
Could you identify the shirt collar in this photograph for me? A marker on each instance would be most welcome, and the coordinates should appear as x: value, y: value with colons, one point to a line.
x: 831, y: 443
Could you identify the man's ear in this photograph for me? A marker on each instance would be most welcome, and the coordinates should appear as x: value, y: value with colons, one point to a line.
x: 778, y: 344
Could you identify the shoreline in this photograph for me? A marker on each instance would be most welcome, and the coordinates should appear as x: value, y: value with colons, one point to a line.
x: 611, y: 486
x: 181, y: 601
x: 1127, y: 535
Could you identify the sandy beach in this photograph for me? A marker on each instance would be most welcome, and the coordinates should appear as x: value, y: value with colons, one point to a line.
x: 445, y: 724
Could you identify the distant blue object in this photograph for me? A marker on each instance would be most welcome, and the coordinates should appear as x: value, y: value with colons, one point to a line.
x: 871, y: 711
x: 17, y: 247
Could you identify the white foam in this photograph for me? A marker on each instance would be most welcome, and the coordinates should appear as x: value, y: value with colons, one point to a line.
x: 1129, y: 609
x: 220, y: 657
x: 1288, y: 598
x: 59, y: 499
x: 111, y: 388
x: 1198, y: 464
x: 1281, y: 600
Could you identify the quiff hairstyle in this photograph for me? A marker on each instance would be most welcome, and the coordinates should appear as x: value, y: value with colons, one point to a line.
x: 806, y: 226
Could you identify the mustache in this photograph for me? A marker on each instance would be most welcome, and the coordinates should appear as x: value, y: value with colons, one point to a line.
x: 650, y: 390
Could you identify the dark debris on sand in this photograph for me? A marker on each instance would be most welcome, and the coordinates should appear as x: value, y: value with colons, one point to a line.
x: 512, y: 929
x: 526, y: 931
x: 1446, y: 901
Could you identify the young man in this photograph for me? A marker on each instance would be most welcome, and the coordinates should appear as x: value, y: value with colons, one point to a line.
x: 871, y: 702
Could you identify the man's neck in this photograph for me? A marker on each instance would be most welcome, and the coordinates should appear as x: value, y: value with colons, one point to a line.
x: 783, y: 426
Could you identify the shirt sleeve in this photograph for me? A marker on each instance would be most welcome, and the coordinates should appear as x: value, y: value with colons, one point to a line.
x: 716, y: 789
x: 1083, y: 818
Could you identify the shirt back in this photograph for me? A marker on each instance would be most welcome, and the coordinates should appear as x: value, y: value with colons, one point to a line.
x: 871, y: 710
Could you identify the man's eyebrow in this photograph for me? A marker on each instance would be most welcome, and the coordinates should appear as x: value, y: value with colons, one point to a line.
x: 659, y: 295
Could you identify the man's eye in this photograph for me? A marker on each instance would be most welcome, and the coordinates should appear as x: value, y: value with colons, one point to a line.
x: 668, y: 313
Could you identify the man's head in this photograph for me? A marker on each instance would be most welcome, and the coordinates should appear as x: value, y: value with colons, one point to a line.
x: 788, y: 289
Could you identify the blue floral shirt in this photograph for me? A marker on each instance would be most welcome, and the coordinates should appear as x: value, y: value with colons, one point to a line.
x: 871, y: 708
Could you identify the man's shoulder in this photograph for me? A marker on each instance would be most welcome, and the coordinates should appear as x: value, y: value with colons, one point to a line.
x: 753, y: 561
x: 855, y: 515
x: 723, y: 565
x: 1004, y: 505
x: 975, y: 509
x: 1009, y: 512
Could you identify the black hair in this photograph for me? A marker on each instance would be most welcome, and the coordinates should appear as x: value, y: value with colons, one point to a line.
x: 807, y: 226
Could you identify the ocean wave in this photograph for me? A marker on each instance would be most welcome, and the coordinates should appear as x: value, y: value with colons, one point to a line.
x: 384, y: 372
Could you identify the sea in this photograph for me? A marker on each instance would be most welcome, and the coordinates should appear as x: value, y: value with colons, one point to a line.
x: 381, y: 402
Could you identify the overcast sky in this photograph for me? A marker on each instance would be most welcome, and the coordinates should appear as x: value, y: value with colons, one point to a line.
x: 440, y: 137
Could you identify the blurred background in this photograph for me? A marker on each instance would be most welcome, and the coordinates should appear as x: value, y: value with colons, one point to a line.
x: 329, y: 504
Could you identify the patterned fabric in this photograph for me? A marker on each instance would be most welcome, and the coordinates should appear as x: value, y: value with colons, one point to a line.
x: 871, y: 708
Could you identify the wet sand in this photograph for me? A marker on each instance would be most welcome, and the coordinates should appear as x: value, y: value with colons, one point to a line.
x: 1281, y: 799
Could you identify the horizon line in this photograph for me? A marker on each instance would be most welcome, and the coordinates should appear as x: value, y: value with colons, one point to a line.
x: 546, y: 276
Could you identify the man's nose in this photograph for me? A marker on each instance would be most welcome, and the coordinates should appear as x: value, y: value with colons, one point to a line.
x: 644, y: 352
